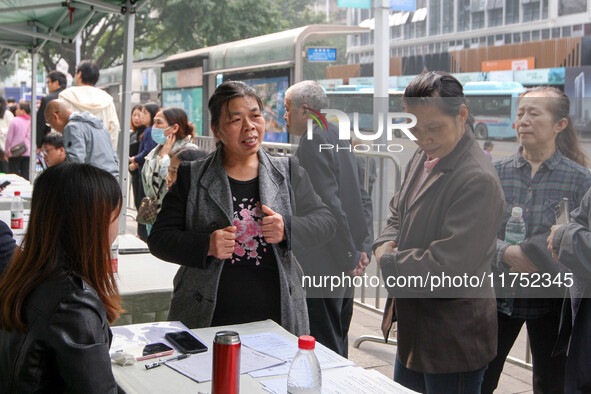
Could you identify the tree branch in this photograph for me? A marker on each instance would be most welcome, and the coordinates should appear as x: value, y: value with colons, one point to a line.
x: 163, y: 52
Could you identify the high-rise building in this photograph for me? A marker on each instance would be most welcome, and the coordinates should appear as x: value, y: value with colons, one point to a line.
x: 458, y: 35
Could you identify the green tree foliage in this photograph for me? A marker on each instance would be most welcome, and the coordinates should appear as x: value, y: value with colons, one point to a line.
x: 165, y: 27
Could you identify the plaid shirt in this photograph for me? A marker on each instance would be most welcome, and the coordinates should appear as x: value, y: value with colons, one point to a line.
x: 557, y: 177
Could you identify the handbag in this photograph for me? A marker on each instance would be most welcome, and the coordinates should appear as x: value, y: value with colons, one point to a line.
x: 19, y: 149
x: 148, y: 210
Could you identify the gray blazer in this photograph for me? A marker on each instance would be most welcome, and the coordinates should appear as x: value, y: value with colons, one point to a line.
x: 200, y: 202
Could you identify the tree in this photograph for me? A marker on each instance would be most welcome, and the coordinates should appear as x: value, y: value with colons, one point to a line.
x: 164, y: 27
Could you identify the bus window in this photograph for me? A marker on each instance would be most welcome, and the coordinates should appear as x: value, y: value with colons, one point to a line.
x: 493, y: 106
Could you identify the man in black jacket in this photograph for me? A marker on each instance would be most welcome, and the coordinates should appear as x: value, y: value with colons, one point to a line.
x: 56, y: 82
x: 334, y: 175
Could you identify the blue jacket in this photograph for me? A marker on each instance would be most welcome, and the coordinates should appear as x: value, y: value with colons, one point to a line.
x: 87, y: 141
x: 146, y: 146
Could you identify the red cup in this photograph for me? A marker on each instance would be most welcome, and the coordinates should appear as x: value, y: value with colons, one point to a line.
x: 226, y: 363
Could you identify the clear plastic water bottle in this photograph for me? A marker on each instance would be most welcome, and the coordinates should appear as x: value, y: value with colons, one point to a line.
x: 115, y: 255
x: 305, y: 376
x: 17, y: 213
x: 515, y: 230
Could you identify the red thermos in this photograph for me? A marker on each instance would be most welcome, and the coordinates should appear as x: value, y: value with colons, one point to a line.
x: 226, y: 363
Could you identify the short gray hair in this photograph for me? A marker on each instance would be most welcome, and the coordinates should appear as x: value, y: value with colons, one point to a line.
x: 309, y: 93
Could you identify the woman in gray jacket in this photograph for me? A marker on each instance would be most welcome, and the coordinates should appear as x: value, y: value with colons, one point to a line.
x: 229, y: 221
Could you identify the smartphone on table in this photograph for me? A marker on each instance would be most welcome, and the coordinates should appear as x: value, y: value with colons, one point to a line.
x: 185, y: 342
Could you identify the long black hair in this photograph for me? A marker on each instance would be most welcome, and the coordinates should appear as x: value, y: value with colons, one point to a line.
x: 71, y: 213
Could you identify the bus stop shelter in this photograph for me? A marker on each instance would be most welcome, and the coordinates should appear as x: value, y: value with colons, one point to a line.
x: 27, y: 25
x: 281, y: 53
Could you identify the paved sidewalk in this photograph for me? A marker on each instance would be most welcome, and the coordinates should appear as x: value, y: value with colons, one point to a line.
x: 380, y: 356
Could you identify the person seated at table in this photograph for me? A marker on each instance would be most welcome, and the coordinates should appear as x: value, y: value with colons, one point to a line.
x: 52, y: 148
x: 59, y: 293
x: 230, y: 220
x: 179, y: 155
x: 7, y: 246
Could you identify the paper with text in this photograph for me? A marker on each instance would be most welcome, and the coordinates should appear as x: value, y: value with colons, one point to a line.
x: 199, y: 366
x: 277, y: 346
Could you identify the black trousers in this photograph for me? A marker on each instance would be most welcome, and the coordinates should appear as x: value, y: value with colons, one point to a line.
x: 19, y: 166
x: 548, y: 370
x: 330, y: 319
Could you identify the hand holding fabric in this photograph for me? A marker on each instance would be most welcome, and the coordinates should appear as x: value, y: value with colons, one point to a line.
x: 273, y: 226
x: 222, y: 243
x: 386, y: 247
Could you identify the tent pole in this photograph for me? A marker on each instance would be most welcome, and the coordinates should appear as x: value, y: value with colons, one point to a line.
x: 123, y: 140
x: 33, y: 149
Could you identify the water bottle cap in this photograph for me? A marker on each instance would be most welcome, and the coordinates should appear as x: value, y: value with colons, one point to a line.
x: 517, y: 211
x: 17, y: 193
x: 307, y: 342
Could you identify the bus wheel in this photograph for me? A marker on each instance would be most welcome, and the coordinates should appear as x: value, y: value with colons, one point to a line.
x: 481, y: 131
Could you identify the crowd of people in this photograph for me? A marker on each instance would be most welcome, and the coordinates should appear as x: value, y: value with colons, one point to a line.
x: 245, y: 226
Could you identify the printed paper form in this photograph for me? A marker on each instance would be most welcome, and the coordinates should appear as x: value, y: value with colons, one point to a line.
x: 346, y: 380
x: 277, y: 346
x: 199, y: 366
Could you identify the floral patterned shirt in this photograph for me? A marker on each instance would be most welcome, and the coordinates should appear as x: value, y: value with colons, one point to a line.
x: 249, y: 285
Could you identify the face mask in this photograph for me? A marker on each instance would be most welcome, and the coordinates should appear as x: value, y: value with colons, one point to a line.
x: 158, y: 135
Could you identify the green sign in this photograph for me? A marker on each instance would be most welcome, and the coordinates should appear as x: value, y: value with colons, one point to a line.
x: 188, y: 99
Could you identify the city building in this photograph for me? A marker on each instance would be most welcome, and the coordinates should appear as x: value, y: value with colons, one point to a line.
x: 459, y: 35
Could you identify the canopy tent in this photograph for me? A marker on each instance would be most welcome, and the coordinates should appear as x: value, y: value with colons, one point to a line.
x: 27, y: 25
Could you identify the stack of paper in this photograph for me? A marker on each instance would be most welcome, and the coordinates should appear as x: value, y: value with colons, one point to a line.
x: 277, y: 346
x: 199, y: 366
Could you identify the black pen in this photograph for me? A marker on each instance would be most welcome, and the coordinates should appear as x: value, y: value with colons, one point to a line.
x: 160, y: 362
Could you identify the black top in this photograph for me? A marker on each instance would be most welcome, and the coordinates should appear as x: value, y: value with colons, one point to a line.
x: 42, y: 128
x: 65, y: 348
x: 249, y: 285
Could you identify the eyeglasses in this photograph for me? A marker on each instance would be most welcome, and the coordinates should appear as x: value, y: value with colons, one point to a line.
x: 45, y: 151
